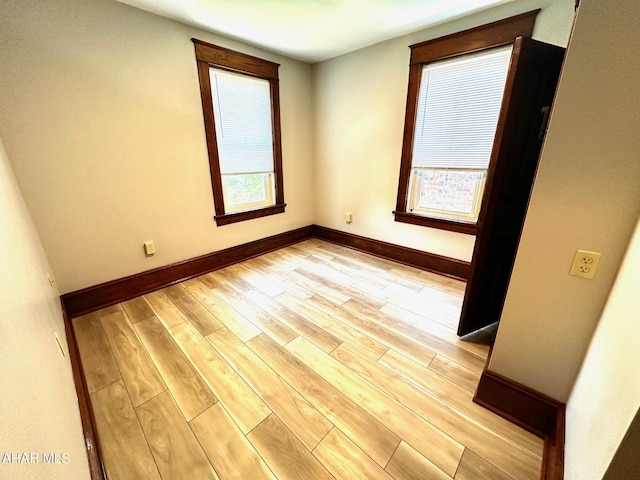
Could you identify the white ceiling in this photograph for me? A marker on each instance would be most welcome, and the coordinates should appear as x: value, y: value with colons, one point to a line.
x: 313, y: 30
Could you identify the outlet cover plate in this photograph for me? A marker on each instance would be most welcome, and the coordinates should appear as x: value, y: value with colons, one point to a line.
x: 585, y: 264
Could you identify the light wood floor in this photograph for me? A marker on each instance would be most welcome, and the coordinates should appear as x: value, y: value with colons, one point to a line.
x: 311, y: 362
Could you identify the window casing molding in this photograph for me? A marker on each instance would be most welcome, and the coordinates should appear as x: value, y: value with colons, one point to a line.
x: 496, y: 34
x: 207, y: 56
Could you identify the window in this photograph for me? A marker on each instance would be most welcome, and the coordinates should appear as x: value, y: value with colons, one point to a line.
x: 242, y: 123
x: 458, y: 106
x: 456, y: 85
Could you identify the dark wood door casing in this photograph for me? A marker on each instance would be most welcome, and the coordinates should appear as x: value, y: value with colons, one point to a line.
x: 529, y: 92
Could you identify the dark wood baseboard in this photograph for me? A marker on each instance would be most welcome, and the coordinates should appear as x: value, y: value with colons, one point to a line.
x: 96, y: 468
x: 109, y: 293
x: 553, y: 457
x: 99, y: 296
x: 533, y: 411
x: 451, y: 267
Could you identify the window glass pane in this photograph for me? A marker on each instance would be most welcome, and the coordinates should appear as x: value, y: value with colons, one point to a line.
x: 247, y: 191
x: 458, y: 106
x: 242, y: 115
x: 448, y: 193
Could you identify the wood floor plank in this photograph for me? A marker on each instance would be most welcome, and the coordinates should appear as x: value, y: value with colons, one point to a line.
x: 353, y: 258
x: 316, y: 285
x: 473, y: 467
x: 374, y: 269
x: 275, y: 261
x: 292, y: 255
x: 431, y: 281
x: 187, y: 387
x: 124, y: 448
x: 433, y: 291
x: 368, y: 433
x: 450, y: 305
x: 466, y: 378
x: 341, y: 331
x: 438, y: 345
x: 137, y: 309
x: 439, y: 312
x: 264, y: 281
x: 166, y: 311
x: 340, y: 265
x: 191, y: 308
x: 303, y: 327
x: 99, y: 366
x: 263, y: 320
x: 283, y: 452
x: 461, y: 428
x: 230, y: 318
x: 374, y: 330
x: 208, y: 281
x: 138, y: 371
x: 306, y: 248
x: 109, y: 310
x: 442, y: 281
x: 240, y: 400
x: 307, y: 423
x: 175, y: 449
x: 229, y: 277
x: 231, y: 454
x: 335, y: 289
x: 461, y: 400
x: 425, y: 324
x: 408, y: 464
x: 400, y: 420
x: 359, y: 364
x: 344, y: 459
x: 279, y: 277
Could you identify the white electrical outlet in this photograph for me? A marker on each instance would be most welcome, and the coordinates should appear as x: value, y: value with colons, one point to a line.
x: 348, y: 217
x: 585, y: 264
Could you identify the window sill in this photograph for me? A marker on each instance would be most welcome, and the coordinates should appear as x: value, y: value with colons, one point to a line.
x: 440, y: 223
x: 227, y: 218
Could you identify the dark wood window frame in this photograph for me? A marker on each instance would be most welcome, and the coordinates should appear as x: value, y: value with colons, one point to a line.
x: 209, y: 55
x: 496, y: 34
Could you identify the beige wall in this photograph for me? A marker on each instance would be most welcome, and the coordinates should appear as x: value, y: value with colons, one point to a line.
x: 606, y: 395
x: 585, y: 197
x: 359, y: 102
x: 107, y: 141
x: 38, y: 404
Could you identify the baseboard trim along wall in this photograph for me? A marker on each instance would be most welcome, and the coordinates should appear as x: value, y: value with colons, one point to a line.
x: 533, y: 411
x: 96, y: 468
x: 450, y: 267
x: 553, y: 456
x: 109, y: 293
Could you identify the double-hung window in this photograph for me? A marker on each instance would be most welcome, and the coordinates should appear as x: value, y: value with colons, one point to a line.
x: 458, y: 106
x: 453, y: 108
x: 242, y: 123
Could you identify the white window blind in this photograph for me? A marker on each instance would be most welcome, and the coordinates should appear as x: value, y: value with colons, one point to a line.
x: 458, y: 107
x: 242, y: 115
